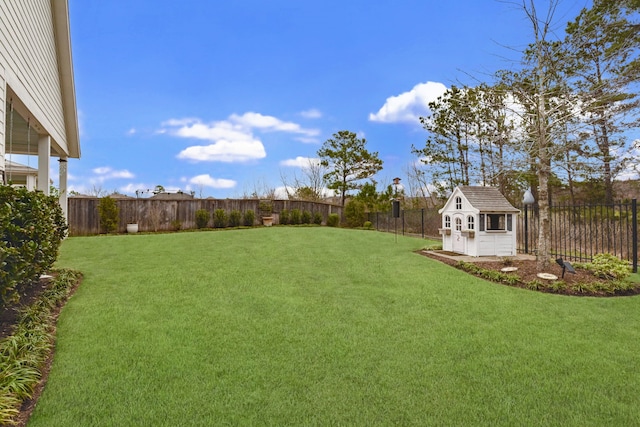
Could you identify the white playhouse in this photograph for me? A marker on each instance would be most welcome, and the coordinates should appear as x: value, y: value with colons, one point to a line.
x: 478, y: 221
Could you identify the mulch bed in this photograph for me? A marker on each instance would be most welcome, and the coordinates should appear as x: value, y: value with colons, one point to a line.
x: 527, y: 272
x: 8, y: 319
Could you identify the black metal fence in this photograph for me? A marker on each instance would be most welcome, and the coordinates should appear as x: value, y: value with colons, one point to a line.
x: 577, y: 232
x: 415, y: 222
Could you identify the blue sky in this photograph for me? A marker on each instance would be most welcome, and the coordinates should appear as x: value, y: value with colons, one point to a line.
x: 227, y: 97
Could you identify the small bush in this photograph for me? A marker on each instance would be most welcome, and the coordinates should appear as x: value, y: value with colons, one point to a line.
x: 534, y: 285
x: 219, y: 218
x: 354, y: 213
x: 284, y: 217
x: 317, y: 218
x: 557, y: 286
x: 367, y: 225
x: 32, y: 227
x: 333, y: 220
x: 249, y: 218
x: 108, y: 212
x: 306, y: 217
x: 607, y: 266
x: 235, y: 218
x: 295, y: 217
x: 202, y: 218
x: 176, y: 225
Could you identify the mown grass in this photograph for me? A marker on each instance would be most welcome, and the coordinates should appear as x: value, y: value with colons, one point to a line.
x: 323, y: 326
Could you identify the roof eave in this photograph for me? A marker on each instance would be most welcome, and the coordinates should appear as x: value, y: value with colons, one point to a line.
x: 60, y: 10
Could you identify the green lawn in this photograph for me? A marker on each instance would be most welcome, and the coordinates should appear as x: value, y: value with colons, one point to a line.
x: 324, y: 326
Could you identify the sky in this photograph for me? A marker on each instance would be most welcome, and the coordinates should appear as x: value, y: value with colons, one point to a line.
x: 227, y: 98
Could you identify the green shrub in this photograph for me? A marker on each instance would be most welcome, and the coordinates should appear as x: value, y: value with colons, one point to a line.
x: 295, y: 217
x: 306, y: 217
x: 202, y: 218
x: 354, y: 213
x: 367, y: 225
x: 108, y: 212
x: 219, y: 218
x: 333, y: 220
x: 249, y: 218
x: 284, y: 217
x: 23, y: 354
x: 235, y: 218
x: 534, y: 285
x: 176, y: 225
x: 317, y: 218
x: 32, y: 227
x: 607, y: 266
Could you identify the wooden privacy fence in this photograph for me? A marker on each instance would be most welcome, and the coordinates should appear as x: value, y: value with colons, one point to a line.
x: 171, y: 214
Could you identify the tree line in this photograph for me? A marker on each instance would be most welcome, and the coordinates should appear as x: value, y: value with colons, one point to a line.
x: 562, y: 117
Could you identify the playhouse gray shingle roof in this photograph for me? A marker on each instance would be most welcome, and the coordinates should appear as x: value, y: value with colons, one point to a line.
x: 487, y: 199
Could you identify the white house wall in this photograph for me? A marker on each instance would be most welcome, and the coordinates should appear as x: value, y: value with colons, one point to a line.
x: 30, y: 67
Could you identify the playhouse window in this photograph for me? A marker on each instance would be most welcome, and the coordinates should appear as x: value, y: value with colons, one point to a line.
x: 470, y: 223
x: 458, y: 224
x: 496, y: 222
x: 447, y: 221
x: 458, y: 203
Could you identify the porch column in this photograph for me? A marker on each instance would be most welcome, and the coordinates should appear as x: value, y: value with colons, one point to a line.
x: 4, y: 126
x: 44, y: 158
x: 63, y: 186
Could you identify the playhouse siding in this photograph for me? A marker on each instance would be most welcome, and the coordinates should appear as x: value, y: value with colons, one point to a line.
x: 462, y: 215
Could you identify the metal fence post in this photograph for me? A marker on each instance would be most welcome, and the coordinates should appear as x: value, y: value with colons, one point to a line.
x: 422, y: 222
x: 634, y: 228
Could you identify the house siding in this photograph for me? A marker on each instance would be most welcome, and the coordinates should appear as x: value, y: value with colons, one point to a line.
x: 29, y: 55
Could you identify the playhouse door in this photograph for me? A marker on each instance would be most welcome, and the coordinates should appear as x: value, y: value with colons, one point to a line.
x: 458, y: 240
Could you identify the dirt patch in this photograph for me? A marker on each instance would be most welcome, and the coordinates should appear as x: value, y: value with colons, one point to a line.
x: 527, y: 272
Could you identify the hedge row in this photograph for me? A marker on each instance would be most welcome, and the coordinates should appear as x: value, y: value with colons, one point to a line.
x: 32, y: 227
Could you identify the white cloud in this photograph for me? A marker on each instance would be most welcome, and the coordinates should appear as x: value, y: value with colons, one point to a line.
x: 409, y: 106
x: 225, y: 151
x: 300, y: 162
x: 232, y: 140
x: 311, y: 114
x: 307, y: 140
x: 208, y: 181
x: 131, y: 132
x: 269, y: 123
x: 105, y: 172
x: 131, y: 188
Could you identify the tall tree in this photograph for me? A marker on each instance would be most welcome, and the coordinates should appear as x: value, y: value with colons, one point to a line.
x: 540, y: 91
x: 348, y: 162
x: 603, y: 45
x: 447, y: 148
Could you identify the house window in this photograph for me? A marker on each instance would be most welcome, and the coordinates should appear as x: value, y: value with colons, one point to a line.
x: 458, y: 224
x: 470, y: 222
x: 447, y: 221
x: 496, y: 222
x: 458, y: 203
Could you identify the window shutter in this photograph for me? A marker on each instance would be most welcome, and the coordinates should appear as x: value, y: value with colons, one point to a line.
x: 481, y: 222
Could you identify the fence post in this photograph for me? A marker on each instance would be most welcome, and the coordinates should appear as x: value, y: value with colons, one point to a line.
x: 422, y: 222
x: 403, y: 222
x: 634, y: 228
